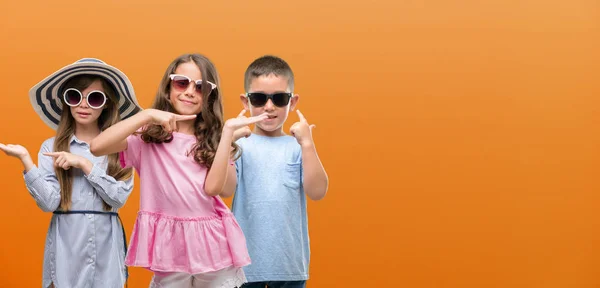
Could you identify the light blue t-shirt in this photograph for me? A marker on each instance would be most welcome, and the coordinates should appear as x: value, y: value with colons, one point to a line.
x: 270, y: 206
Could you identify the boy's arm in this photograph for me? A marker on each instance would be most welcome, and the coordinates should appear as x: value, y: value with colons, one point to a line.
x: 314, y: 176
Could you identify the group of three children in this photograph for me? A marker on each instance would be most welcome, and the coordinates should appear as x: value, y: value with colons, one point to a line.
x: 187, y: 158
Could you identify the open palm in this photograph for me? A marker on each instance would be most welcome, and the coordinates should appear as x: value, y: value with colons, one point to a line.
x: 14, y: 150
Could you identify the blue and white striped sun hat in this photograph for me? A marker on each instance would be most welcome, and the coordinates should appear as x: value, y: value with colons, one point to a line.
x: 46, y: 96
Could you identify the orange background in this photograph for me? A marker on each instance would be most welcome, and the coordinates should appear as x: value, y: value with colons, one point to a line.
x: 460, y: 137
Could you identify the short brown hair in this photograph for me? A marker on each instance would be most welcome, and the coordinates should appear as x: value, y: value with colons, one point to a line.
x: 267, y: 65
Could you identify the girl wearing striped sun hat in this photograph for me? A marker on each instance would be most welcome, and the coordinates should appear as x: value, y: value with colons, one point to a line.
x: 85, y: 244
x: 47, y: 97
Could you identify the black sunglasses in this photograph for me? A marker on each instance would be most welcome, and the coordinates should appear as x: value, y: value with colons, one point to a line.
x: 281, y: 99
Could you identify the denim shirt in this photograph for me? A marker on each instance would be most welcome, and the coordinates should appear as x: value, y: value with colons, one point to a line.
x: 82, y: 250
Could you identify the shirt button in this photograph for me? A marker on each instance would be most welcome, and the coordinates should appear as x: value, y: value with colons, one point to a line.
x: 91, y: 260
x: 90, y: 216
x: 90, y: 239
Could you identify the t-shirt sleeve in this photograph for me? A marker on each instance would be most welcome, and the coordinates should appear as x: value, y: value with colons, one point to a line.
x: 130, y: 157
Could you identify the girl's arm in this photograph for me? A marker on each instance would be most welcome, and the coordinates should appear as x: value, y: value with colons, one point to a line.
x: 41, y: 182
x: 222, y: 177
x: 112, y: 191
x: 114, y: 139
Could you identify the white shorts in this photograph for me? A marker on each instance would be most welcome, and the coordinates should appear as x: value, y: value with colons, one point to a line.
x: 230, y: 277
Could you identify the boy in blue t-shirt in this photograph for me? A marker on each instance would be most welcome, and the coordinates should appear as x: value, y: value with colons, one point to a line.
x: 274, y: 172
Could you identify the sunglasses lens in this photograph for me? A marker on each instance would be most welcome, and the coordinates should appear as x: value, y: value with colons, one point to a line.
x: 72, y: 97
x: 281, y: 99
x: 96, y: 99
x: 199, y: 86
x: 257, y: 99
x: 180, y: 83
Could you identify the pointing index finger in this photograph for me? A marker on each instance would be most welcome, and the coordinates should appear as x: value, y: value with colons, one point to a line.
x: 255, y: 119
x: 185, y: 117
x: 301, y: 116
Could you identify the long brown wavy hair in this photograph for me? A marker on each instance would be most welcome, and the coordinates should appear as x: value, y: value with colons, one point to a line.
x: 208, y: 123
x: 66, y: 130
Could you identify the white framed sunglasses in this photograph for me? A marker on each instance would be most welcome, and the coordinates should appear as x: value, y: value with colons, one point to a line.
x: 95, y: 99
x: 182, y: 82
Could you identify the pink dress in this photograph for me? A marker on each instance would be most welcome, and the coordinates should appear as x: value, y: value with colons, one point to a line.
x: 179, y: 228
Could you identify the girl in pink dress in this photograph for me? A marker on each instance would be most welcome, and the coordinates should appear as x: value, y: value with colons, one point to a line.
x: 183, y: 153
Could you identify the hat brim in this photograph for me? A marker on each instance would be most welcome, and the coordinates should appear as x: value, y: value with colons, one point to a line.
x: 46, y: 101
